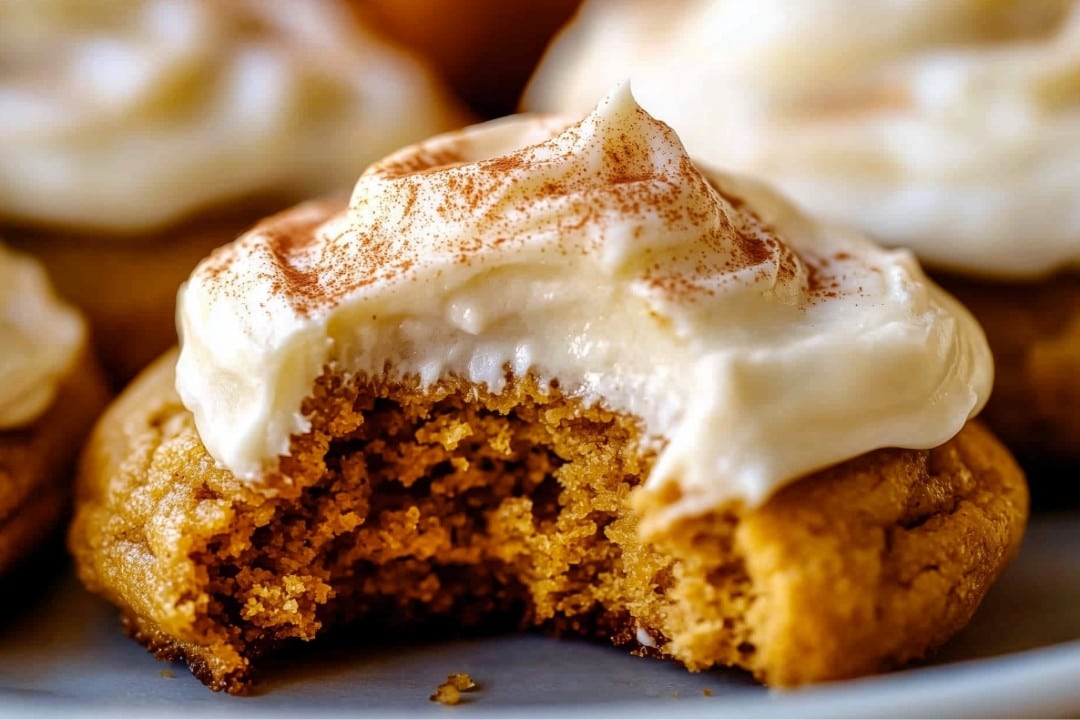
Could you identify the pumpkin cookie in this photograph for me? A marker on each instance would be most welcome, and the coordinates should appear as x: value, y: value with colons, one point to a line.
x: 856, y: 569
x: 1034, y: 332
x: 555, y: 373
x: 140, y: 136
x: 50, y: 393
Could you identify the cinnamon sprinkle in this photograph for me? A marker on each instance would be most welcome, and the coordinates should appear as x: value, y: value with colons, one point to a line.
x: 434, y: 204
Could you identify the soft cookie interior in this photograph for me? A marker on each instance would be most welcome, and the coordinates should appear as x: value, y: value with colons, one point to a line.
x: 406, y: 505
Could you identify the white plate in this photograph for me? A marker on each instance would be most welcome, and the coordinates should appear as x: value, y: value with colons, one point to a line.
x: 66, y: 655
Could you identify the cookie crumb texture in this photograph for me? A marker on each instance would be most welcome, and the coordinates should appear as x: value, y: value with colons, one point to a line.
x: 458, y: 504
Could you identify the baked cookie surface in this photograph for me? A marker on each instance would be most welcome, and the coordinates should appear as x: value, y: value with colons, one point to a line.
x: 1034, y: 333
x: 406, y: 506
x: 36, y: 462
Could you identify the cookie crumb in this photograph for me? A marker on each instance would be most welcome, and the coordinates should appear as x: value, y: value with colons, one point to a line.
x: 446, y: 694
x: 707, y: 692
x: 167, y: 674
x: 461, y: 681
x: 449, y: 692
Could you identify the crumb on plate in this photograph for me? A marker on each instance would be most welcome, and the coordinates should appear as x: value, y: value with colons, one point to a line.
x: 449, y: 692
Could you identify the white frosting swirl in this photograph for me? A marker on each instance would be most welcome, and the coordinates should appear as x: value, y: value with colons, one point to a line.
x: 952, y: 128
x: 122, y: 116
x: 754, y: 344
x: 40, y: 338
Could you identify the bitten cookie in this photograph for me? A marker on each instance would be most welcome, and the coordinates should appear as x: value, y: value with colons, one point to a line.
x: 555, y: 373
x: 443, y: 504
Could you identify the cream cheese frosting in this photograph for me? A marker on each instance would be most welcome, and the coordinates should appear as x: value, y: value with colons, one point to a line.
x: 40, y: 339
x: 122, y: 116
x: 753, y: 343
x: 952, y: 128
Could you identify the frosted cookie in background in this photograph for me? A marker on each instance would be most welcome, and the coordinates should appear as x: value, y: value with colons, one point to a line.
x: 51, y: 391
x: 485, y: 49
x: 137, y: 136
x: 951, y: 128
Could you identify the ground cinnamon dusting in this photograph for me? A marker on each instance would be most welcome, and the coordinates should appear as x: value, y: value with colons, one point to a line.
x: 819, y: 283
x: 317, y: 265
x: 424, y: 159
x: 288, y: 238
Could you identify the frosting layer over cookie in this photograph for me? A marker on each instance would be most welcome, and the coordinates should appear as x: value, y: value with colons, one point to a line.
x: 754, y: 344
x: 952, y: 128
x: 40, y: 338
x: 122, y: 116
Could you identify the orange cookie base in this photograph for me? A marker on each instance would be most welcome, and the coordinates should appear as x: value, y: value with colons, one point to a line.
x: 1034, y: 332
x: 37, y: 463
x: 453, y: 503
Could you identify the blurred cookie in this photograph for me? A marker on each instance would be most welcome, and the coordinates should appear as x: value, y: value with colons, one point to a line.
x: 50, y: 393
x: 137, y: 137
x: 1034, y: 332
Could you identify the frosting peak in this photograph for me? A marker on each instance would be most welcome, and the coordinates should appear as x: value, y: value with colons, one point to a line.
x: 619, y: 181
x: 754, y: 344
